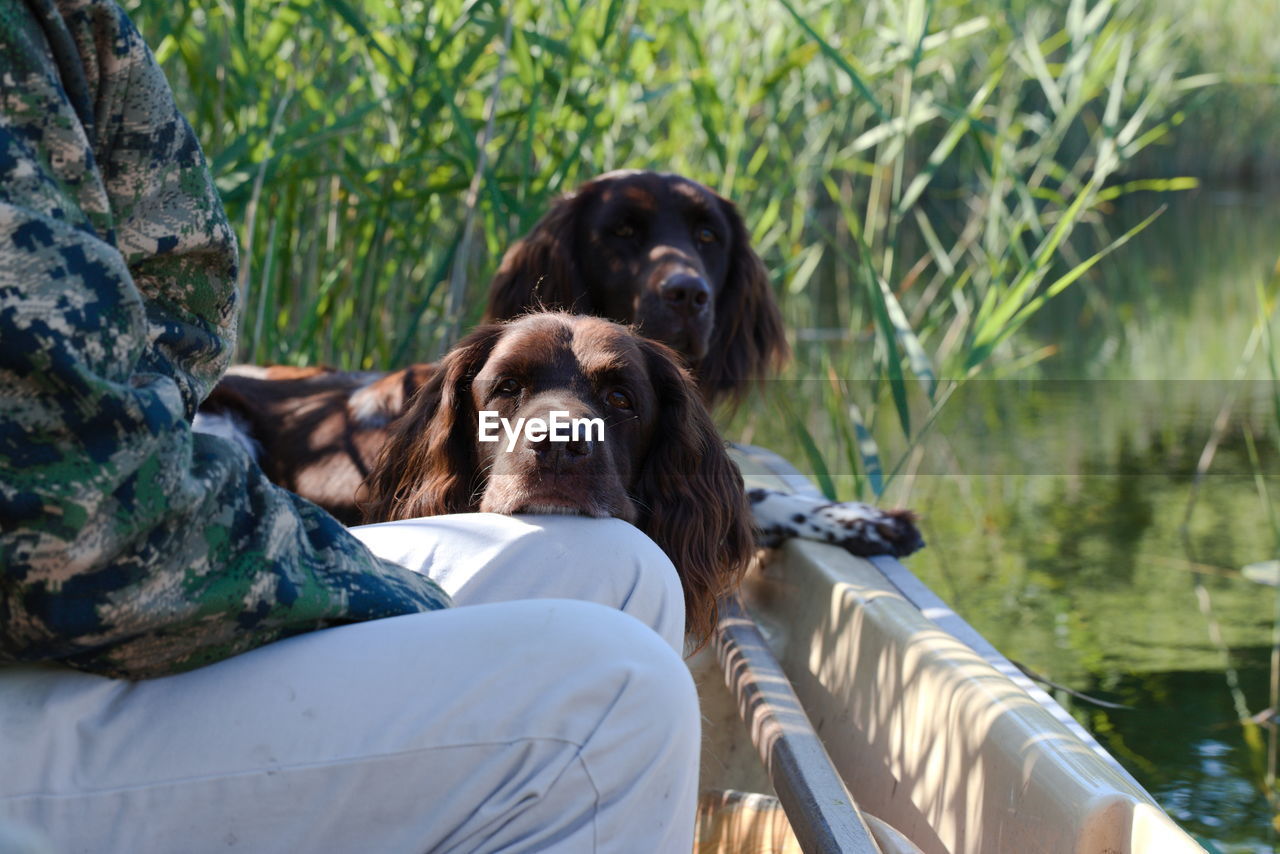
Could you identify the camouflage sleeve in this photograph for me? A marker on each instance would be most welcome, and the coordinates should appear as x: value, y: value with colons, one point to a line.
x: 130, y: 546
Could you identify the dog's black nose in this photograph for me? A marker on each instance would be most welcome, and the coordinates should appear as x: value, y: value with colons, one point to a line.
x: 560, y: 456
x: 579, y: 447
x: 686, y: 293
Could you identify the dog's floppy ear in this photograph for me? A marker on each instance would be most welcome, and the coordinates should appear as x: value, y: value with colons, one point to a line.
x: 691, y: 496
x: 428, y: 466
x: 748, y: 343
x: 539, y: 270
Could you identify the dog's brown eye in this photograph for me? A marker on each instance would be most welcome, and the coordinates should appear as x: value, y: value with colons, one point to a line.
x: 706, y: 235
x: 623, y: 230
x: 618, y: 400
x: 508, y: 386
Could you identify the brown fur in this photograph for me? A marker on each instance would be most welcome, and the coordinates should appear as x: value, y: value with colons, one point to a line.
x: 679, y: 486
x: 312, y: 438
x: 558, y: 265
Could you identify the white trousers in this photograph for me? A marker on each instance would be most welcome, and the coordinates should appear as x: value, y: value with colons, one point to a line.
x: 513, y: 722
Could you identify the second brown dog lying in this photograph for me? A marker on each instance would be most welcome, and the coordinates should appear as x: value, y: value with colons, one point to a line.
x: 657, y: 462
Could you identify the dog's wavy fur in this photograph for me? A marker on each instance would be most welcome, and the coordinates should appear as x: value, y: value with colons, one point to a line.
x: 687, y: 494
x: 748, y: 341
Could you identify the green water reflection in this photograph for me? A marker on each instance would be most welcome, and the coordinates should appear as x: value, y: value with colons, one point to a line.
x: 1054, y: 505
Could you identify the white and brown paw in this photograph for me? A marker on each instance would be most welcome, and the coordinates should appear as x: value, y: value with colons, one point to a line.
x: 858, y: 528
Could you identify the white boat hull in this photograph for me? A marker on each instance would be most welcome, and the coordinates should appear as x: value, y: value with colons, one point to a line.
x: 929, y: 735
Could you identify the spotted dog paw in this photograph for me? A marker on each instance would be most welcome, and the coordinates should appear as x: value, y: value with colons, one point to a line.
x: 858, y: 528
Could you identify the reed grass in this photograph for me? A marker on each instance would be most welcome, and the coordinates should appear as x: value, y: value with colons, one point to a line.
x: 1229, y: 128
x: 917, y: 175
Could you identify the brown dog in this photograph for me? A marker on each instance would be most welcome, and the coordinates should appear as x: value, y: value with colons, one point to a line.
x: 659, y: 251
x: 656, y: 461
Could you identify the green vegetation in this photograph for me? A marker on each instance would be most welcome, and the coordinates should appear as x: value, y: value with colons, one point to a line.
x: 914, y: 172
x: 1230, y: 127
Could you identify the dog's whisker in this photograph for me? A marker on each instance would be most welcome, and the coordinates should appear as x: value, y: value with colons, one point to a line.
x: 634, y: 499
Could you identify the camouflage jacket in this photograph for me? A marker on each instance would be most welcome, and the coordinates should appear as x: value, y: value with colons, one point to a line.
x: 130, y: 546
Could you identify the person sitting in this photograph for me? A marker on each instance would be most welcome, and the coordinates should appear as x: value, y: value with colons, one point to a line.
x: 192, y: 658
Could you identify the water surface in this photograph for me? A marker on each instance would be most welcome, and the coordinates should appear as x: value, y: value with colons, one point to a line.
x: 1067, y: 524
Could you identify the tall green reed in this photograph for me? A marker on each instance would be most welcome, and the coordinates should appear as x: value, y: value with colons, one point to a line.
x: 914, y: 173
x: 1229, y: 130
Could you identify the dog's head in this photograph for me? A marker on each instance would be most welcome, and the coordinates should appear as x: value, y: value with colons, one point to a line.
x: 661, y: 252
x: 655, y: 459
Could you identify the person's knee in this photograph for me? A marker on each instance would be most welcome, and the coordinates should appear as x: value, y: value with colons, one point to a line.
x: 656, y: 672
x: 485, y: 557
x: 617, y: 555
x: 654, y: 684
x: 600, y: 667
x: 593, y: 539
x: 612, y: 541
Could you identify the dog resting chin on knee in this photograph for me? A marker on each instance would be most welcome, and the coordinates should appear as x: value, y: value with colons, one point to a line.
x: 658, y: 251
x: 655, y: 461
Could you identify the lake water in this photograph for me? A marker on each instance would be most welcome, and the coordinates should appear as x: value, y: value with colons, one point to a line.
x: 1066, y: 523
